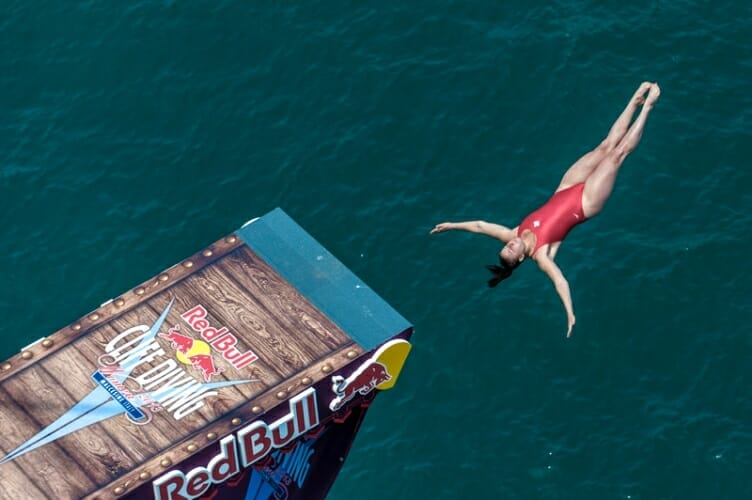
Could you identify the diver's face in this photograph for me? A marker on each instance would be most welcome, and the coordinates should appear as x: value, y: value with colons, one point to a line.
x: 513, y: 252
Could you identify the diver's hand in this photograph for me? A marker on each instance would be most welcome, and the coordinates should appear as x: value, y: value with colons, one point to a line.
x: 570, y: 325
x: 440, y: 228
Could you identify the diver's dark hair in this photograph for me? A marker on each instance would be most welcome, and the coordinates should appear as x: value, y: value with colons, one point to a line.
x: 501, y: 272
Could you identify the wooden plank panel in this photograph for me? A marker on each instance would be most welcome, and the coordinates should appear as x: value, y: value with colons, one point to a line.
x: 296, y: 343
x: 275, y: 300
x: 124, y: 456
x: 15, y: 482
x: 124, y: 302
x: 68, y: 481
x: 145, y: 440
x: 271, y: 342
x: 185, y: 299
x: 281, y: 300
x: 230, y: 397
x: 18, y: 485
x: 222, y: 427
x: 92, y: 452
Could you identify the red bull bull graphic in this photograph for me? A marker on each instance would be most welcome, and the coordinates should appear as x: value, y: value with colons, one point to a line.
x: 194, y: 352
x: 205, y: 364
x: 380, y: 371
x: 137, y: 379
x: 241, y: 449
x: 220, y: 339
x: 362, y: 381
x: 181, y: 343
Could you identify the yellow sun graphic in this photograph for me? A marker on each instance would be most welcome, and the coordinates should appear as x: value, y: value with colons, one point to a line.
x: 198, y: 347
x: 392, y: 355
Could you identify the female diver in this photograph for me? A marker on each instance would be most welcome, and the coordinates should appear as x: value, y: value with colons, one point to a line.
x: 581, y: 195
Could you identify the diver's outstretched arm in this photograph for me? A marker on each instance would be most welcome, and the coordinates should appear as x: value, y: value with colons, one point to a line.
x: 497, y: 231
x: 549, y: 267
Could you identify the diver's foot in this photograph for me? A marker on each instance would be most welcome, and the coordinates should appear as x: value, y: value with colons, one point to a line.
x: 655, y: 92
x: 638, y: 99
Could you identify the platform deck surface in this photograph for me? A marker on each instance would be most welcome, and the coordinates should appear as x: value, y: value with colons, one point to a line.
x: 64, y: 435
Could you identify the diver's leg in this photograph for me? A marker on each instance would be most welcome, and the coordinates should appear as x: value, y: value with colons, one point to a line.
x: 583, y: 167
x: 600, y: 183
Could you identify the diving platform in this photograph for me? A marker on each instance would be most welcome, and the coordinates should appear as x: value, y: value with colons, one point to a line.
x: 242, y: 372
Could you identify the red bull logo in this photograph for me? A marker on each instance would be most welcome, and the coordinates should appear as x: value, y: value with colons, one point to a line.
x: 220, y: 339
x: 194, y: 352
x: 133, y: 369
x: 362, y: 381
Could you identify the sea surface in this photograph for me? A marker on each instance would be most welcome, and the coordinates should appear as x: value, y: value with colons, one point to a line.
x: 134, y: 133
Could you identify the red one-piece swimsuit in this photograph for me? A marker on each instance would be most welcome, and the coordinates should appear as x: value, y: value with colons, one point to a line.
x: 556, y: 218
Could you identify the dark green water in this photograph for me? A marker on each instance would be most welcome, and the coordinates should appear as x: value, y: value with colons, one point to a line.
x: 131, y: 136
